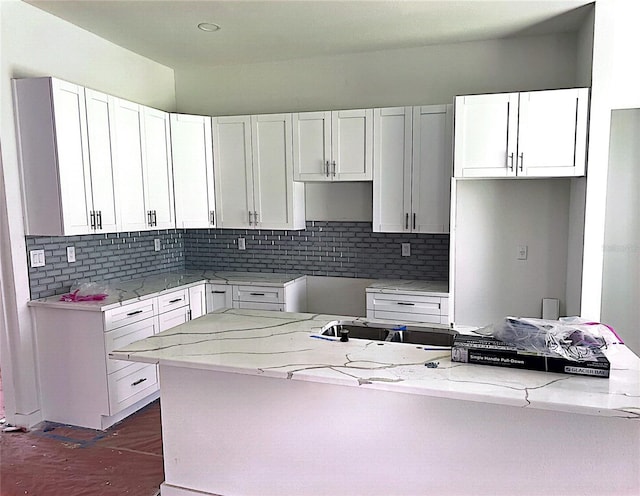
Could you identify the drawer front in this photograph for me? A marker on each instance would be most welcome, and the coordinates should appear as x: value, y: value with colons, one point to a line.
x: 405, y: 317
x: 123, y: 336
x: 405, y: 303
x: 131, y: 384
x: 256, y: 305
x: 175, y: 299
x: 128, y: 314
x: 218, y: 296
x: 173, y: 318
x: 259, y: 294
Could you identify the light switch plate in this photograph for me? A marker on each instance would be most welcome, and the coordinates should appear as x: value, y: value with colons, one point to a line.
x: 156, y: 245
x: 37, y: 258
x: 406, y: 249
x: 241, y: 244
x: 71, y: 254
x: 523, y: 251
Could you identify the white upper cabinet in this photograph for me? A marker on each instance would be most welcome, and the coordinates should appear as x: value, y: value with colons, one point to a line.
x: 130, y: 185
x: 192, y: 153
x: 56, y: 163
x: 158, y: 170
x: 333, y: 146
x: 412, y: 169
x: 532, y: 134
x: 254, y: 173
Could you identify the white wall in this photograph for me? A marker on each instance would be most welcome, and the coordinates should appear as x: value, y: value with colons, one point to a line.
x: 493, y: 218
x: 35, y: 43
x: 621, y: 264
x: 615, y: 85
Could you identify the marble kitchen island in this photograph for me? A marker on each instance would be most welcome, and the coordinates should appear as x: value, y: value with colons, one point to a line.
x: 252, y: 404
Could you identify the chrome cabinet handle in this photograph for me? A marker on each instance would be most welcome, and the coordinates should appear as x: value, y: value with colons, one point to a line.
x: 333, y: 168
x: 212, y: 217
x: 511, y: 161
x: 250, y: 214
x: 326, y: 168
x: 255, y: 217
x: 139, y: 381
x: 521, y: 161
x: 155, y: 219
x: 99, y: 219
x: 92, y: 215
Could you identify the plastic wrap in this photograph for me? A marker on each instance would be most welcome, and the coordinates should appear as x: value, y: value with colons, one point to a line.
x: 570, y: 337
x: 87, y: 291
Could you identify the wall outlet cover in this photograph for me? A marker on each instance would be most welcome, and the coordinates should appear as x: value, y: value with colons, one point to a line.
x: 156, y: 244
x: 241, y: 244
x: 523, y: 251
x: 71, y: 254
x: 406, y: 249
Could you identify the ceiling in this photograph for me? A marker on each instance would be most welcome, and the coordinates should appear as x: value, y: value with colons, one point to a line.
x: 273, y: 30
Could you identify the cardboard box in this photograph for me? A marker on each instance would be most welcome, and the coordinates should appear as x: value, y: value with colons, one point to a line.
x: 489, y: 351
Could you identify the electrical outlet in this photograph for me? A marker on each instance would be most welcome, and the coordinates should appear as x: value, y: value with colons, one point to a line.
x: 71, y: 254
x: 523, y: 251
x: 406, y: 249
x: 37, y: 258
x: 156, y: 245
x: 241, y: 244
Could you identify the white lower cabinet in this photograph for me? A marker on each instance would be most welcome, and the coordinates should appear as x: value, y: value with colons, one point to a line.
x: 217, y: 296
x: 410, y: 306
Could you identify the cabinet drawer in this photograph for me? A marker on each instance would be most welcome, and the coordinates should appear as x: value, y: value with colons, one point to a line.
x: 257, y: 305
x: 173, y: 318
x: 260, y: 294
x: 128, y: 314
x: 406, y: 306
x: 123, y: 336
x: 131, y: 384
x: 175, y: 299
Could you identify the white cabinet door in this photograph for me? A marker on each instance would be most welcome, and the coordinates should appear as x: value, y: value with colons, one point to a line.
x: 278, y: 200
x: 128, y: 166
x: 552, y: 133
x: 99, y: 131
x: 233, y: 171
x: 218, y: 296
x: 73, y: 158
x: 486, y: 135
x: 192, y: 153
x: 352, y: 145
x: 173, y: 318
x: 333, y: 146
x: 432, y: 169
x: 197, y: 301
x: 312, y: 146
x: 392, y: 169
x: 158, y: 170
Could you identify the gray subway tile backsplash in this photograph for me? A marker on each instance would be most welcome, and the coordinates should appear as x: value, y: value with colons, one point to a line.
x: 340, y: 249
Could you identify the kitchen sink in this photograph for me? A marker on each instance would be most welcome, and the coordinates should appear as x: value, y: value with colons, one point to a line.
x: 432, y: 336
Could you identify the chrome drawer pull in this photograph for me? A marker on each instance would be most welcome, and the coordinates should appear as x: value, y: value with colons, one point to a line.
x: 139, y: 381
x: 134, y: 313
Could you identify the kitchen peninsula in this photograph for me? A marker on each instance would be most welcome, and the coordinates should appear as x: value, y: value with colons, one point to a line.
x: 254, y: 404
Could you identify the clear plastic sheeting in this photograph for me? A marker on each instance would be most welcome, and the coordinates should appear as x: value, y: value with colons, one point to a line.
x: 61, y: 460
x: 572, y: 338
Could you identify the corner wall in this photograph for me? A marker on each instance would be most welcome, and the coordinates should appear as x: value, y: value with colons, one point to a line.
x: 35, y: 43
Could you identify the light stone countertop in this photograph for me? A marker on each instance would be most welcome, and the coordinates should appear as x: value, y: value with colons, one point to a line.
x: 434, y: 288
x: 280, y: 345
x: 124, y: 292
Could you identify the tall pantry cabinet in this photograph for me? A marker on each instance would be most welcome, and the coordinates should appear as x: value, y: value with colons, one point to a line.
x: 64, y: 137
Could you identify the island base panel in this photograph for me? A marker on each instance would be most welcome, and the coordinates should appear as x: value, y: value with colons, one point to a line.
x: 233, y: 434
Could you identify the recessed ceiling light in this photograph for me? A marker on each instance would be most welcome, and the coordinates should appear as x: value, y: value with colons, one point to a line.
x: 208, y: 27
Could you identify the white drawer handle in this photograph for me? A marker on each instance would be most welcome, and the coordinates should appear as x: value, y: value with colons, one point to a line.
x: 139, y: 381
x: 176, y: 300
x: 134, y: 313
